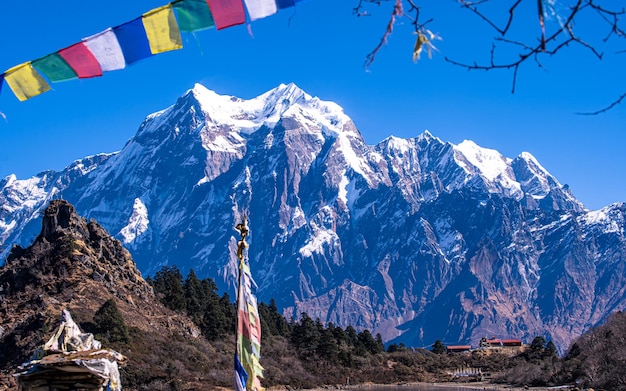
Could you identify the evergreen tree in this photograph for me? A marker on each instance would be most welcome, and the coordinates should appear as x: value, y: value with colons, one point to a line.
x: 538, y: 344
x: 438, y: 347
x: 109, y: 324
x: 229, y: 308
x: 305, y: 335
x: 368, y: 342
x: 340, y: 335
x: 194, y: 297
x: 168, y: 285
x: 396, y: 348
x: 327, y: 347
x: 551, y: 350
x: 280, y: 323
x: 380, y: 343
x: 267, y: 327
x: 353, y: 338
x: 215, y: 322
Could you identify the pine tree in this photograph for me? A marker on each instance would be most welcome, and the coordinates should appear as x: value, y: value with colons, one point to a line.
x: 215, y: 322
x: 194, y: 297
x: 168, y: 285
x: 439, y: 347
x: 109, y: 324
x: 305, y: 335
x: 551, y: 350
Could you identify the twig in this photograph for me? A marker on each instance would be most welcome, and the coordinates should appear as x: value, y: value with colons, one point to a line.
x: 607, y: 108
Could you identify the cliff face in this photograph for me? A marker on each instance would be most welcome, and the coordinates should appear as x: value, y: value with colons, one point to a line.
x: 417, y: 239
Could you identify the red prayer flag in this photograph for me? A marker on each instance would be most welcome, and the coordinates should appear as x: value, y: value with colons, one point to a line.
x: 227, y: 13
x: 82, y: 60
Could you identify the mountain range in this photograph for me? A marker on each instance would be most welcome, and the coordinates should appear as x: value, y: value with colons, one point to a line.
x: 416, y: 239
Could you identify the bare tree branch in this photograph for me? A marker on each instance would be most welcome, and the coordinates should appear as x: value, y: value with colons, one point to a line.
x: 607, y: 108
x: 545, y: 42
x: 397, y: 11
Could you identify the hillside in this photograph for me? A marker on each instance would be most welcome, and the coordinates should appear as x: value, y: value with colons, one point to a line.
x: 74, y: 264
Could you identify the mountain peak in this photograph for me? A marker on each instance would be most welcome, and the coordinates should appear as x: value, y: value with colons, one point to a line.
x: 76, y: 265
x: 291, y: 93
x: 61, y: 216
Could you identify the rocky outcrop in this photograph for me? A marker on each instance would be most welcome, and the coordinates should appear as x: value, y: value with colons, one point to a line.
x: 74, y: 265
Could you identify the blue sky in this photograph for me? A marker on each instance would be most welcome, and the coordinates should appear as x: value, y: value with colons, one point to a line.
x: 321, y: 46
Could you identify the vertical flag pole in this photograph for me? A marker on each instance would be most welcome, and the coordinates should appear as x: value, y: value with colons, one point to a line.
x: 241, y: 377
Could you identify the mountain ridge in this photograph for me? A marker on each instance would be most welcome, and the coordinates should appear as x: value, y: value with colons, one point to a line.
x: 407, y: 237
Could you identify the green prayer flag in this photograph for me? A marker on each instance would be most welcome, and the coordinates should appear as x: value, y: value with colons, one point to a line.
x: 193, y: 15
x: 55, y: 68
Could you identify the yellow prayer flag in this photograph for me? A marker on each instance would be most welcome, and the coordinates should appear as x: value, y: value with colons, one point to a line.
x: 162, y: 29
x: 25, y: 81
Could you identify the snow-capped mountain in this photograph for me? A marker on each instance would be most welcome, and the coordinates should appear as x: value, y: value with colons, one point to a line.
x: 417, y: 239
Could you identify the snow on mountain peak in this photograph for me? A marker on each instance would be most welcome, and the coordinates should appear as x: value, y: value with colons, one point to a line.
x: 427, y: 136
x: 489, y: 164
x: 286, y: 100
x: 534, y: 179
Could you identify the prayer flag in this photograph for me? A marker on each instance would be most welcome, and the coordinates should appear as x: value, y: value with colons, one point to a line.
x: 193, y: 15
x: 258, y: 9
x: 1, y: 81
x: 241, y: 377
x: 162, y: 29
x: 82, y: 61
x: 282, y: 4
x: 107, y: 50
x: 55, y: 68
x: 227, y: 13
x: 133, y: 40
x: 25, y: 81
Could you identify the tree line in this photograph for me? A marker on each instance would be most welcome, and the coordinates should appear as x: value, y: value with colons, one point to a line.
x: 215, y: 316
x: 306, y: 353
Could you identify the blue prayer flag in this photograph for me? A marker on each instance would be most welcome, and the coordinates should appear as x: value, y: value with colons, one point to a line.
x: 282, y: 4
x: 241, y: 376
x: 133, y: 40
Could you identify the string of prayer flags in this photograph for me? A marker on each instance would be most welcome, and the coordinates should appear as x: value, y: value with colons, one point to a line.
x: 282, y: 4
x: 162, y: 30
x: 106, y: 49
x: 55, y: 68
x: 82, y: 61
x: 25, y: 81
x: 154, y: 32
x: 227, y: 13
x: 133, y: 40
x: 193, y: 15
x: 258, y: 9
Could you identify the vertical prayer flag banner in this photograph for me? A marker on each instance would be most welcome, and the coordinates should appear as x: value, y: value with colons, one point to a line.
x: 227, y: 13
x: 258, y: 9
x: 193, y: 15
x: 82, y: 61
x: 162, y: 30
x: 107, y: 50
x: 241, y: 377
x: 248, y: 329
x: 55, y: 68
x: 25, y: 81
x: 282, y: 4
x: 133, y: 40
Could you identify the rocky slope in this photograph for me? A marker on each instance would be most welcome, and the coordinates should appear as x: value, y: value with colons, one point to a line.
x: 76, y: 265
x: 417, y: 239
